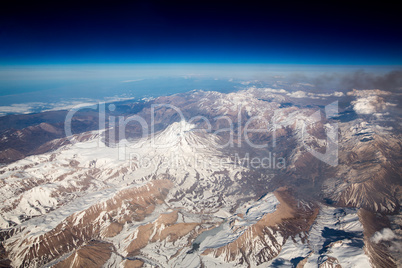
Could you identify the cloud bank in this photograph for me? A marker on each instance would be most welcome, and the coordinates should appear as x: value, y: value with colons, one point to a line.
x: 299, y: 94
x: 35, y: 107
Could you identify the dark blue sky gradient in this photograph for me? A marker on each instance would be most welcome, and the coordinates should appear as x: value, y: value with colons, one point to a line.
x: 199, y: 32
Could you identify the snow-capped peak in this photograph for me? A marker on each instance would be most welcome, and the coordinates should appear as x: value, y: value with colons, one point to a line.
x: 182, y: 136
x: 178, y: 129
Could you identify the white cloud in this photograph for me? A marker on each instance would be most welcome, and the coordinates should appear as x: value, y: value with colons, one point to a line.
x: 391, y: 104
x: 272, y: 90
x: 246, y: 83
x: 385, y: 234
x: 302, y: 85
x: 298, y: 94
x: 338, y: 94
x: 369, y: 101
x: 129, y: 81
x: 325, y: 95
x: 369, y: 105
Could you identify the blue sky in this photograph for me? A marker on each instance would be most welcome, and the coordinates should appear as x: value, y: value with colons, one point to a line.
x: 102, y: 32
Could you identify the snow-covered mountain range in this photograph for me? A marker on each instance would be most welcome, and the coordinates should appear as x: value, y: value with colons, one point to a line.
x: 206, y: 179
